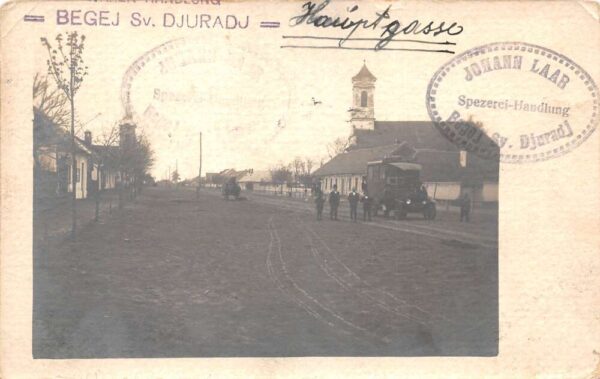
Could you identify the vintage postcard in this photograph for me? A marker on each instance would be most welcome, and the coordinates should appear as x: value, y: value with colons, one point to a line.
x: 319, y: 188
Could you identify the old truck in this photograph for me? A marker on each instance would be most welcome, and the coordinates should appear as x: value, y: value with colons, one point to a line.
x: 231, y: 188
x: 395, y: 188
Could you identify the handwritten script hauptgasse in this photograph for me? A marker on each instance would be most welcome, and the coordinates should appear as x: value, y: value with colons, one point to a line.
x: 312, y: 14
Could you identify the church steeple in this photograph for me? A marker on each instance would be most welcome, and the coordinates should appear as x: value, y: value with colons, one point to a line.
x: 363, y: 107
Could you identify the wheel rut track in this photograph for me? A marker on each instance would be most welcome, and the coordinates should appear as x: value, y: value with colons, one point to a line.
x: 280, y: 275
x: 387, y: 315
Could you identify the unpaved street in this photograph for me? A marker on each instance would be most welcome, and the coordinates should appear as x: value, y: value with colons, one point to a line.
x: 172, y: 276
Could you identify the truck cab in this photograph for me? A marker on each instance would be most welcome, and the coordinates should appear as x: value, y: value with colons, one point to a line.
x: 394, y: 186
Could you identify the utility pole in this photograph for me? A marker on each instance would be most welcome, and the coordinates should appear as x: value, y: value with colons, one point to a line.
x: 200, y: 161
x: 199, y: 167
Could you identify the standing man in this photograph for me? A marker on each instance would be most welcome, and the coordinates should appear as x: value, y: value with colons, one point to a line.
x: 334, y: 203
x: 465, y: 207
x: 363, y: 185
x: 319, y: 201
x: 388, y: 200
x: 366, y: 200
x: 422, y: 193
x: 353, y: 199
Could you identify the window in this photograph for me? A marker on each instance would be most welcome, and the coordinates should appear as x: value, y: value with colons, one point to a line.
x: 78, y: 175
x: 363, y: 99
x: 355, y: 182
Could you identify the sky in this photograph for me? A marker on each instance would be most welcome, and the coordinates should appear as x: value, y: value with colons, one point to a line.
x: 250, y: 99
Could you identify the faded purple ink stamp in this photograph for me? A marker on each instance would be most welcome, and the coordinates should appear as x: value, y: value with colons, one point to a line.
x: 515, y: 100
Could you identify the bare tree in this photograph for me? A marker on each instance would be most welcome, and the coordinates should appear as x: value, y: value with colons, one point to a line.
x: 338, y: 146
x: 308, y: 164
x: 280, y: 174
x: 50, y: 101
x: 298, y: 167
x: 65, y: 65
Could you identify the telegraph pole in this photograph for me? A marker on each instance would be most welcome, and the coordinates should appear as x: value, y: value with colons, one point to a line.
x: 199, y: 167
x: 200, y: 161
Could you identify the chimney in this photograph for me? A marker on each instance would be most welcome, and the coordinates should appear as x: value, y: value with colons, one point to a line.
x: 88, y: 138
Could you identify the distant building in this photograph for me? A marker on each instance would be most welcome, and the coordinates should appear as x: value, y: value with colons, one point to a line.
x: 446, y: 170
x: 216, y: 179
x: 255, y: 179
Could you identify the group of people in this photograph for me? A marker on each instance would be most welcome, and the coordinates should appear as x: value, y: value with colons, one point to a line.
x: 354, y: 198
x: 334, y: 202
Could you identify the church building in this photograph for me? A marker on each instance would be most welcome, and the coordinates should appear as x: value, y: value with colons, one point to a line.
x: 447, y: 171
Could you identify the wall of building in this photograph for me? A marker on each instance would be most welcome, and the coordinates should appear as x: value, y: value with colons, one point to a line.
x: 345, y: 183
x: 81, y: 184
x: 443, y: 190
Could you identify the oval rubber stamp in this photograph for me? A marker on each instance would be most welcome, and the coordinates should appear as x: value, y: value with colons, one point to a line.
x: 513, y: 100
x: 173, y: 83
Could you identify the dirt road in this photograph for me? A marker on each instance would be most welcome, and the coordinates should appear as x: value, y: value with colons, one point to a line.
x: 172, y: 276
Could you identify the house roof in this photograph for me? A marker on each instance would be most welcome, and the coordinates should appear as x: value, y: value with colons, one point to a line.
x: 110, y: 150
x: 354, y: 161
x: 436, y: 165
x: 232, y: 173
x: 418, y: 134
x: 48, y: 133
x: 364, y: 74
x: 256, y: 177
x: 433, y: 151
x: 439, y: 158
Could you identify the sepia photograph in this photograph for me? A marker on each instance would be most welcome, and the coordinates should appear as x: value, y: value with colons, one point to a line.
x: 368, y: 188
x: 383, y: 241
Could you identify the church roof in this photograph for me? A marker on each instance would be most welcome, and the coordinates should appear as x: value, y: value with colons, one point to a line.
x: 418, y: 134
x: 364, y: 74
x: 439, y: 158
x: 435, y: 152
x: 442, y: 166
x: 354, y: 161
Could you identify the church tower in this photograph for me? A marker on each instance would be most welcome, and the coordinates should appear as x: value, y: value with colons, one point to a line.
x: 363, y: 107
